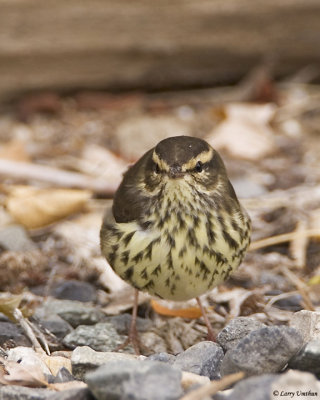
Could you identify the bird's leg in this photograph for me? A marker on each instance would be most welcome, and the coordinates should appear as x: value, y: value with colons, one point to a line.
x: 133, y: 334
x: 211, y: 335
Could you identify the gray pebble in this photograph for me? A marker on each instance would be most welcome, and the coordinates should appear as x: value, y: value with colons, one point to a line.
x: 163, y: 357
x: 253, y: 388
x: 135, y: 380
x: 308, y: 358
x: 74, y: 312
x: 54, y: 324
x: 74, y: 290
x: 307, y: 323
x: 100, y: 337
x: 11, y: 392
x: 122, y: 323
x: 11, y: 335
x: 237, y: 329
x: 15, y: 238
x: 203, y: 358
x: 266, y: 350
x: 85, y: 359
x: 63, y: 375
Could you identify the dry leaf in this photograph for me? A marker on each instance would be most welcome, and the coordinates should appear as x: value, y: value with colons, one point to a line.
x: 8, y: 305
x: 35, y: 208
x: 60, y: 387
x: 54, y: 363
x: 245, y: 133
x: 14, y: 150
x: 17, y: 374
x: 189, y: 379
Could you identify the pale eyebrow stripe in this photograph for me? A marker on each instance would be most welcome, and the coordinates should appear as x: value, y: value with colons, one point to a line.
x: 203, y: 157
x: 161, y: 163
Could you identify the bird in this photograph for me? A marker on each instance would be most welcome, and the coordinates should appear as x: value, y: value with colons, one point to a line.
x: 176, y: 228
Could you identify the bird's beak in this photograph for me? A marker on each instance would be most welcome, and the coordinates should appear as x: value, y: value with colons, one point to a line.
x: 175, y: 172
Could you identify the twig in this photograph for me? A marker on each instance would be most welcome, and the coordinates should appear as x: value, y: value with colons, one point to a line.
x: 54, y: 176
x: 286, y: 237
x: 213, y: 387
x: 300, y: 285
x: 27, y: 329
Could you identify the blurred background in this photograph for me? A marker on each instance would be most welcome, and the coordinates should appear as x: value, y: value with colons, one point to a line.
x: 86, y: 87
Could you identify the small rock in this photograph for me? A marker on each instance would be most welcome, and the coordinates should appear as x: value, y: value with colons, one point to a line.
x: 163, y: 357
x: 11, y: 392
x: 63, y: 375
x: 265, y: 350
x: 292, y: 303
x: 203, y: 358
x: 84, y: 359
x: 11, y: 335
x: 100, y: 337
x: 15, y: 238
x: 54, y: 324
x: 72, y: 394
x: 307, y: 323
x: 237, y: 329
x: 122, y: 323
x: 308, y: 358
x: 253, y: 388
x: 135, y: 380
x: 74, y: 290
x: 302, y: 384
x: 74, y: 312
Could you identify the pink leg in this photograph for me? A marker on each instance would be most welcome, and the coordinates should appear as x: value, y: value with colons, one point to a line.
x: 211, y: 335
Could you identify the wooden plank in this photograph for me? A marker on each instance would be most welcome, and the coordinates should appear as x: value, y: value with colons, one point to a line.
x: 65, y: 45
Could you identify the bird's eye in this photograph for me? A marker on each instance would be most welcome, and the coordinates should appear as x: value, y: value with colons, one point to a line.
x: 199, y: 167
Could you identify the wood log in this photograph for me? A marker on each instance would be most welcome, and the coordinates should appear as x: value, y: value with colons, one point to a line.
x: 125, y: 44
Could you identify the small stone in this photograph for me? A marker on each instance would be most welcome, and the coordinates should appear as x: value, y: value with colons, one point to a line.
x: 54, y: 324
x: 122, y: 323
x: 63, y: 375
x: 203, y: 358
x: 307, y: 323
x: 11, y: 392
x: 302, y: 384
x: 84, y: 359
x: 163, y: 357
x: 308, y: 358
x: 266, y: 350
x: 72, y: 394
x: 100, y: 337
x: 292, y: 303
x: 74, y: 290
x: 253, y: 388
x: 11, y: 336
x: 237, y: 329
x: 135, y: 380
x: 15, y: 238
x: 74, y: 312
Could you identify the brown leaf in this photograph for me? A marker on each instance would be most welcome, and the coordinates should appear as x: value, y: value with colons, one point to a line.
x: 35, y: 208
x: 17, y: 374
x: 14, y: 150
x: 8, y: 304
x: 245, y: 132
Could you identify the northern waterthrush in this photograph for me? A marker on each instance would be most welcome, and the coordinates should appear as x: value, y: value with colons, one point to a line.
x: 176, y: 228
